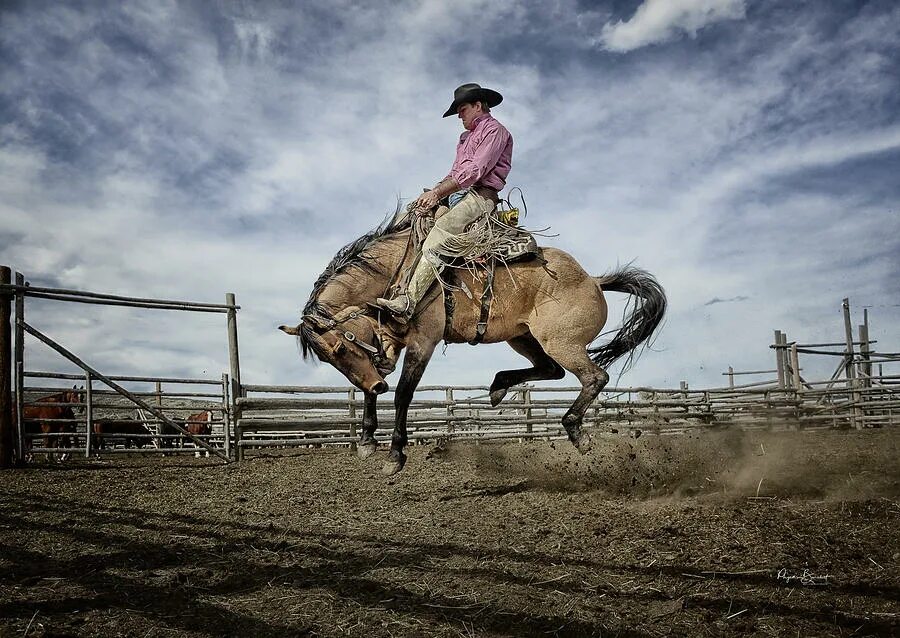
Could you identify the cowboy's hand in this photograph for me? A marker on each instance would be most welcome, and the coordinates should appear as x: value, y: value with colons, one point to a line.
x: 427, y: 200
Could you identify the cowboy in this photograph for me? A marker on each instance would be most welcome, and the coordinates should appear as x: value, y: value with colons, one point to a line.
x: 478, y: 174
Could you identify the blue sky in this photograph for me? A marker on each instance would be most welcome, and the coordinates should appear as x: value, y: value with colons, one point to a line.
x: 746, y: 152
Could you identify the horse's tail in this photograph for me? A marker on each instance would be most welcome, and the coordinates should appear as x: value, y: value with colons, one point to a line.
x: 638, y: 325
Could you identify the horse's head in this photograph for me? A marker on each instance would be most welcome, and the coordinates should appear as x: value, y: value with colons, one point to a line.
x: 74, y: 396
x: 345, y: 349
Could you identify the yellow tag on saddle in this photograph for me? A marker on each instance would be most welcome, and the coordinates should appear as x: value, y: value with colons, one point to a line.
x: 510, y: 216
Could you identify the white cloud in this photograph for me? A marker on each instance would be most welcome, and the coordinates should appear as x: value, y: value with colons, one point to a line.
x: 658, y: 21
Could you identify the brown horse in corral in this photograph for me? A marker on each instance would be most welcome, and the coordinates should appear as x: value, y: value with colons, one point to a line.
x: 55, y: 422
x: 199, y: 424
x: 196, y: 424
x: 549, y: 310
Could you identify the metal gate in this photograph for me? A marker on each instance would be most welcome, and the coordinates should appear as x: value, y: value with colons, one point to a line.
x: 13, y: 372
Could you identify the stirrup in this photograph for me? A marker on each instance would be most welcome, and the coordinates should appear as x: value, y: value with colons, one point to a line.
x: 396, y: 306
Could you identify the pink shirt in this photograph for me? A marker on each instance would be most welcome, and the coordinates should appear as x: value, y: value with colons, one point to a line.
x: 483, y: 155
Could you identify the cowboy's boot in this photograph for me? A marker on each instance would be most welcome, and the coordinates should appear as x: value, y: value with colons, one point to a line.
x: 403, y: 305
x: 399, y: 305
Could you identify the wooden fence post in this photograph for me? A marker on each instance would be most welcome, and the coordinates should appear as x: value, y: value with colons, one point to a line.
x: 865, y: 366
x: 796, y: 382
x: 526, y: 401
x: 730, y: 377
x: 160, y: 427
x: 6, y: 408
x: 226, y: 417
x: 850, y: 368
x: 448, y: 395
x: 20, y: 415
x: 786, y: 361
x: 88, y: 414
x: 235, y: 363
x: 779, y: 360
x: 19, y: 358
x: 864, y: 373
x: 795, y: 369
x: 351, y: 409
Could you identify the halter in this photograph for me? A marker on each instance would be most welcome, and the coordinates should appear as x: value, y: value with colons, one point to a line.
x: 376, y: 353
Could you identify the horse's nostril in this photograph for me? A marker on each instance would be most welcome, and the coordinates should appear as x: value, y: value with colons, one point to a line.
x: 380, y: 388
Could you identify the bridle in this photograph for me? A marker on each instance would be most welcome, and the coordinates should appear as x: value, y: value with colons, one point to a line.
x: 375, y: 352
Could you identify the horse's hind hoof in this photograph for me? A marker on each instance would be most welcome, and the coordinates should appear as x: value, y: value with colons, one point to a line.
x: 392, y: 466
x: 583, y: 443
x: 497, y: 397
x: 364, y: 451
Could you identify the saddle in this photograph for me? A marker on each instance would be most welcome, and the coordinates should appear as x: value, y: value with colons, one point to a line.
x: 493, y: 238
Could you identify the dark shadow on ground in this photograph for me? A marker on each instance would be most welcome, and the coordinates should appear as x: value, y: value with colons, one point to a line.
x: 341, y: 563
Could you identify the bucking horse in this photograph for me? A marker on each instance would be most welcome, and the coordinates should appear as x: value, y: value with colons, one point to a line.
x: 548, y: 309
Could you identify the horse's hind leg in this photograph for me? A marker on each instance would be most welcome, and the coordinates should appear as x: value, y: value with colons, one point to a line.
x: 544, y: 368
x: 574, y: 357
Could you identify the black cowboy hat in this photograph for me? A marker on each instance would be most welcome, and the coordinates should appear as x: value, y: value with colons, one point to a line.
x: 469, y: 93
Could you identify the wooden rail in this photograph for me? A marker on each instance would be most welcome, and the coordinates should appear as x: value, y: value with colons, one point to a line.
x: 309, y: 416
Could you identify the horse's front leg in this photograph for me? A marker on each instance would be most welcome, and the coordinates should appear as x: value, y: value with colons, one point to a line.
x: 367, y: 443
x: 414, y: 363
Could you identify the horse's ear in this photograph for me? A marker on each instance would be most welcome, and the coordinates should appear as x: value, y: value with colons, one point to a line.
x: 291, y: 330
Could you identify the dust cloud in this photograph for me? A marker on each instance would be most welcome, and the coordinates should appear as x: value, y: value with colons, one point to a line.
x: 734, y: 463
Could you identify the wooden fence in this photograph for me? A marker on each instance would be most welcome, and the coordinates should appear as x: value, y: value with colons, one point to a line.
x: 255, y: 417
x: 285, y: 416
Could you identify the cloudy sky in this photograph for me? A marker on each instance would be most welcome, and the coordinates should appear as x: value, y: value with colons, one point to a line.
x: 747, y: 152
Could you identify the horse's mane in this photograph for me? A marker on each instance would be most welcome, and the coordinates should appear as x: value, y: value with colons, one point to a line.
x: 353, y: 254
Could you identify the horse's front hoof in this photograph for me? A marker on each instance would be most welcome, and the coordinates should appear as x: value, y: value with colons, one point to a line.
x: 393, y: 465
x: 497, y: 396
x: 365, y: 450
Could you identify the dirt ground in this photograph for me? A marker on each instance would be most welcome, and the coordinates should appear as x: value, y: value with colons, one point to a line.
x: 708, y: 534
